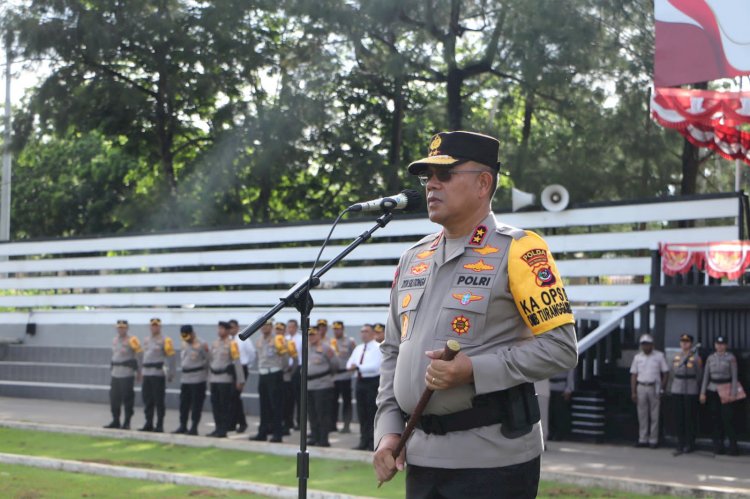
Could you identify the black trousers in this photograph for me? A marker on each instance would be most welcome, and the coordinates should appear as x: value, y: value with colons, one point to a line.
x: 721, y: 420
x: 192, y: 396
x: 237, y: 410
x: 366, y: 392
x: 221, y: 394
x: 270, y: 388
x: 685, y: 416
x: 343, y: 390
x: 518, y: 481
x: 319, y: 414
x: 291, y: 400
x: 153, y: 391
x: 559, y: 416
x: 121, y: 392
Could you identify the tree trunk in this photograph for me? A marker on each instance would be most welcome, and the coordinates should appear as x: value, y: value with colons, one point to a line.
x: 455, y: 105
x: 690, y: 160
x: 523, y: 150
x: 397, y: 127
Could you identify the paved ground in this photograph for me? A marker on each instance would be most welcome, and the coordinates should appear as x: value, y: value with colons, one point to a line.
x: 639, y: 470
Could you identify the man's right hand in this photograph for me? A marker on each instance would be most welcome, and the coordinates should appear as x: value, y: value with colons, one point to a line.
x: 634, y: 396
x: 383, y: 462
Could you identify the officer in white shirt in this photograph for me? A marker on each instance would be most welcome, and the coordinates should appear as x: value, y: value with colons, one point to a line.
x: 365, y: 360
x: 648, y: 379
x: 247, y: 359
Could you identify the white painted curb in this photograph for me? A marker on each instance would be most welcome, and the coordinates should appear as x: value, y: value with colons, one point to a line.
x: 163, y: 477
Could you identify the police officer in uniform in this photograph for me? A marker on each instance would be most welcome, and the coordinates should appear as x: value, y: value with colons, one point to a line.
x: 687, y: 369
x: 495, y: 289
x: 287, y: 382
x: 124, y: 366
x: 194, y: 366
x: 158, y: 353
x: 379, y: 332
x: 343, y: 346
x: 648, y: 378
x: 322, y: 326
x: 365, y: 361
x: 291, y: 404
x: 225, y: 376
x: 247, y: 358
x: 322, y: 363
x: 273, y: 357
x: 721, y: 368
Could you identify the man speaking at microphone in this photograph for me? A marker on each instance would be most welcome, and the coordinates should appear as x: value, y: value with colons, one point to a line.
x: 496, y: 290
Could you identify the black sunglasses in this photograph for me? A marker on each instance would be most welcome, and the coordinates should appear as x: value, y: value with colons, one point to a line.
x: 442, y: 174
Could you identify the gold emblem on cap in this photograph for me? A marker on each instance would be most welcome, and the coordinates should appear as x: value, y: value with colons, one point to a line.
x: 435, y: 143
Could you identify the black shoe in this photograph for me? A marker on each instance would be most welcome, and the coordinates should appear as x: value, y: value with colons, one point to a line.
x: 259, y: 438
x: 641, y: 444
x: 286, y: 433
x: 326, y: 444
x: 217, y: 434
x: 653, y: 446
x: 275, y: 440
x: 180, y: 430
x: 677, y: 452
x: 733, y: 451
x: 114, y: 425
x: 360, y: 447
x: 146, y: 427
x: 125, y: 425
x: 295, y: 427
x: 159, y: 429
x: 720, y: 451
x: 212, y: 434
x: 345, y: 429
x: 193, y: 431
x: 310, y: 441
x: 241, y: 428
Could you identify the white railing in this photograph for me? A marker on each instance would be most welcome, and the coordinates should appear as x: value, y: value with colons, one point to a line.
x: 599, y: 252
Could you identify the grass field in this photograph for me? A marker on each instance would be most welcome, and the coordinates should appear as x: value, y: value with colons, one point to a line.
x: 335, y: 476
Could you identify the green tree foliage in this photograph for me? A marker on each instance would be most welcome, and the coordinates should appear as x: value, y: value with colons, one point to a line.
x: 176, y: 113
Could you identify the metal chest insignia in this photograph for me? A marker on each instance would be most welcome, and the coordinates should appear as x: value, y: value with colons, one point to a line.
x: 479, y: 266
x: 467, y: 297
x: 461, y: 325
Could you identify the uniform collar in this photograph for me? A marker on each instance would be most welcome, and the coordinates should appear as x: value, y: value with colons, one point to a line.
x: 477, y: 239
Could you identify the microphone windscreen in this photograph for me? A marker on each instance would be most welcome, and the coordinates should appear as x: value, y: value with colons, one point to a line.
x: 413, y: 199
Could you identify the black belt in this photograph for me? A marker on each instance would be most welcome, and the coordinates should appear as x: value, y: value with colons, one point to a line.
x: 186, y: 370
x: 155, y: 365
x: 516, y: 409
x: 685, y: 376
x: 132, y: 363
x: 318, y: 376
x: 721, y: 380
x: 369, y: 379
x: 227, y: 370
x: 647, y: 384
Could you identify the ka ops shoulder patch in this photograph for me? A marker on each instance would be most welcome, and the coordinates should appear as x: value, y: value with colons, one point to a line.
x: 536, y: 285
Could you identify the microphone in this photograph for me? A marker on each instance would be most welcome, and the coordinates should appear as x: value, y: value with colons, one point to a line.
x: 407, y: 200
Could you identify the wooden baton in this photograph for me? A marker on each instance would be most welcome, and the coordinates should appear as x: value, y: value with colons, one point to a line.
x: 452, y: 347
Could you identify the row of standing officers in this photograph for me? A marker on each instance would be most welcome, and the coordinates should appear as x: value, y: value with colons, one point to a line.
x: 223, y: 365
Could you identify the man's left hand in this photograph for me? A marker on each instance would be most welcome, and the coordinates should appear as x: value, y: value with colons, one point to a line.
x: 442, y: 375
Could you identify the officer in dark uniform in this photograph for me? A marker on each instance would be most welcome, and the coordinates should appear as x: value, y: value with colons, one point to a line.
x: 126, y: 351
x: 721, y: 370
x: 687, y: 369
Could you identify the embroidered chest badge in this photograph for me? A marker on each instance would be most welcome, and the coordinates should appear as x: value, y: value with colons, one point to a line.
x: 479, y: 234
x: 425, y: 254
x: 404, y: 326
x: 487, y: 250
x: 479, y: 266
x: 419, y: 269
x: 538, y: 260
x: 467, y: 297
x: 406, y: 301
x: 461, y: 325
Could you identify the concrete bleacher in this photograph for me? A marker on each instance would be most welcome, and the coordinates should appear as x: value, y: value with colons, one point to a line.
x: 70, y: 292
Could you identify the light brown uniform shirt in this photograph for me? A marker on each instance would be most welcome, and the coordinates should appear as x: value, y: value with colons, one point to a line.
x: 502, y: 299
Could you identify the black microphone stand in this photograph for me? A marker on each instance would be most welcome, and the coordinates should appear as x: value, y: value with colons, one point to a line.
x: 299, y: 297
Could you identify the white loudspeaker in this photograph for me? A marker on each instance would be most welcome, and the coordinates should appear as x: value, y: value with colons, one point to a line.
x: 521, y: 199
x: 554, y: 198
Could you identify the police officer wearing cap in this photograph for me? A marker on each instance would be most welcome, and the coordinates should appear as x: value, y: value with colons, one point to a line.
x: 287, y: 378
x: 379, y: 330
x: 225, y: 376
x: 721, y: 372
x: 125, y: 365
x: 495, y: 289
x: 247, y: 358
x: 291, y: 405
x: 648, y: 378
x: 687, y: 369
x: 194, y: 366
x: 322, y: 326
x: 158, y: 354
x: 273, y: 357
x: 322, y: 364
x: 343, y: 346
